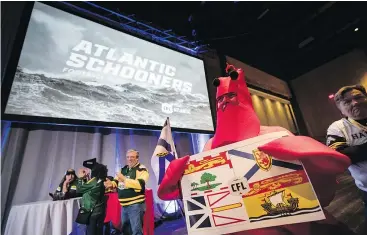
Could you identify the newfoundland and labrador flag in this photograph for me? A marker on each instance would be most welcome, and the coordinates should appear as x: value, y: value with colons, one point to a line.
x: 164, y: 152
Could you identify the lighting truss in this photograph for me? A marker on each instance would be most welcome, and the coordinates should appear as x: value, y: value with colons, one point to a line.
x: 140, y: 28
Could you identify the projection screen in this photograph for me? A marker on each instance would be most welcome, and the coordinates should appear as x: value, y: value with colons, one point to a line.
x: 74, y: 68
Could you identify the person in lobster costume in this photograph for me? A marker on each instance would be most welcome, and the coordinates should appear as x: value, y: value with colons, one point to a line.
x: 237, y: 121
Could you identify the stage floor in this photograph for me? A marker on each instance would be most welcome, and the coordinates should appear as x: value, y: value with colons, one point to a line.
x: 347, y: 206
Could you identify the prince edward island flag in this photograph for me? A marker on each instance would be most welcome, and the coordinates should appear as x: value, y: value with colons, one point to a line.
x: 164, y: 152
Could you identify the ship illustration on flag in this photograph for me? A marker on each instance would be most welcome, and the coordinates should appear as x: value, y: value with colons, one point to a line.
x: 276, y: 204
x: 281, y: 196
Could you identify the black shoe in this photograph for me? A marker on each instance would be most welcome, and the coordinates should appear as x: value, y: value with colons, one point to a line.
x: 116, y: 232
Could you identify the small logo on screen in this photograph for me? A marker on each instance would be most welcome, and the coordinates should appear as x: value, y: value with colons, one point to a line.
x: 167, y: 108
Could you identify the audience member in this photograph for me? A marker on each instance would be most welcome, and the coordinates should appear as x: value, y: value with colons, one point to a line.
x: 349, y: 134
x: 67, y: 188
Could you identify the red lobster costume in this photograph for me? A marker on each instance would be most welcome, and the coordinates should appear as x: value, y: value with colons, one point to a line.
x: 237, y: 121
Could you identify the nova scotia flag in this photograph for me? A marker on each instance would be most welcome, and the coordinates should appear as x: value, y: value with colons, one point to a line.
x: 164, y: 152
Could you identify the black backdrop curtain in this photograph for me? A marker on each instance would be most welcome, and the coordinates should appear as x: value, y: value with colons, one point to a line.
x: 11, y: 13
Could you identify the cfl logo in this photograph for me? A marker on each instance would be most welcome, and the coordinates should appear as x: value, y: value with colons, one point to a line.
x: 167, y: 108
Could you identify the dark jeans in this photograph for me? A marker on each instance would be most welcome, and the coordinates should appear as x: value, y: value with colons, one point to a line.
x: 132, y: 219
x: 95, y: 226
x: 107, y: 228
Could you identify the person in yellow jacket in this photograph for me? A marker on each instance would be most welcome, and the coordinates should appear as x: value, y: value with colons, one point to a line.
x: 130, y: 183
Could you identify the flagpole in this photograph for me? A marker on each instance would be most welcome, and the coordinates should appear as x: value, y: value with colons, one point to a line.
x: 179, y: 182
x: 181, y: 198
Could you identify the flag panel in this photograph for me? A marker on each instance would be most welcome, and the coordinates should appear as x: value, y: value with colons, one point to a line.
x: 281, y: 196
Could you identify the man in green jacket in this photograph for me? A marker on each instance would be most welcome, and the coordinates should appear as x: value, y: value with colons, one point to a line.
x: 93, y: 196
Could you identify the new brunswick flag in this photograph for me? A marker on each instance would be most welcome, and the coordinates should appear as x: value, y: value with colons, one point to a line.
x: 284, y: 195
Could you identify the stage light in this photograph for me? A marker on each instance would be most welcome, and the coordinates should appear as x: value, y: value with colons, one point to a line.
x: 331, y: 96
x: 356, y: 29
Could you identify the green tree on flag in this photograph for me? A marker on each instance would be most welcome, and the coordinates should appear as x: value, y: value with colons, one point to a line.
x: 206, y: 178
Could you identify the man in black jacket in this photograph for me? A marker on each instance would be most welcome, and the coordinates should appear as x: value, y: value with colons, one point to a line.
x: 67, y: 187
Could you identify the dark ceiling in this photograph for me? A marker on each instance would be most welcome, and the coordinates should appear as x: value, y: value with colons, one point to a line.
x: 266, y: 35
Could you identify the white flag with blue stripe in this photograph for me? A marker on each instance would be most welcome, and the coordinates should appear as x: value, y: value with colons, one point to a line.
x: 164, y: 152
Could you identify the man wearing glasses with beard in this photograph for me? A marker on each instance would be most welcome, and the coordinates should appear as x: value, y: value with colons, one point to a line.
x: 349, y: 134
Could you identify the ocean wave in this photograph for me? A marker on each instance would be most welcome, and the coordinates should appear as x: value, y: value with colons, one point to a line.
x: 38, y: 95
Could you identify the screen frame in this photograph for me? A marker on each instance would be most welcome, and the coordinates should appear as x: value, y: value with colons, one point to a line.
x: 9, y: 75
